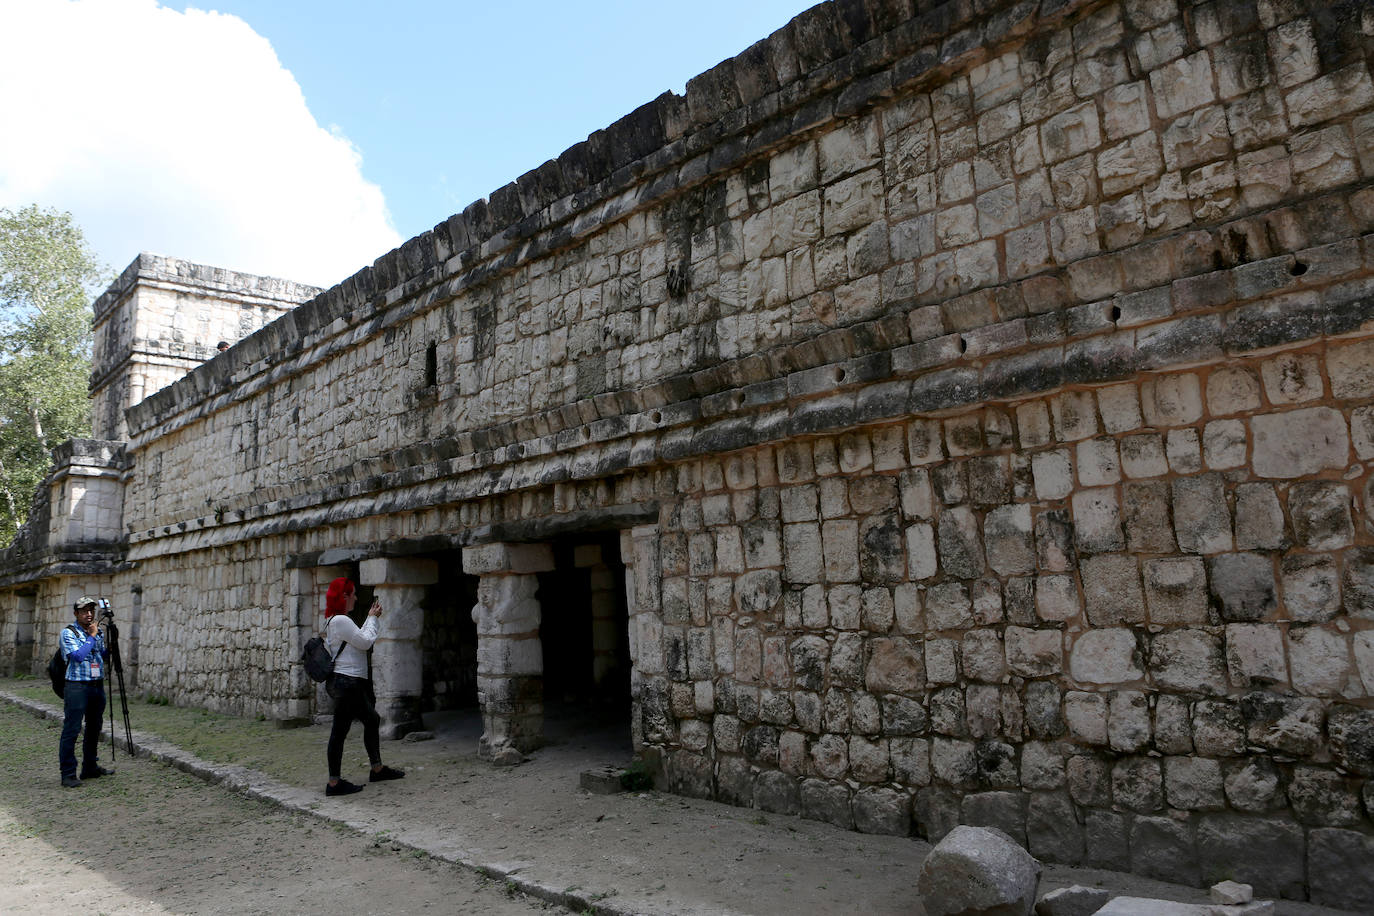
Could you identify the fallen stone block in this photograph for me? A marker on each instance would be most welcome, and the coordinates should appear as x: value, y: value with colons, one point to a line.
x: 1072, y: 901
x: 978, y: 871
x: 601, y: 780
x: 1230, y: 892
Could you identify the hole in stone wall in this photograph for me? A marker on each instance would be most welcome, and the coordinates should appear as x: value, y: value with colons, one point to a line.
x: 838, y: 375
x: 656, y: 417
x: 737, y: 400
x: 963, y: 344
x: 431, y: 365
x: 1298, y: 269
x: 1116, y: 313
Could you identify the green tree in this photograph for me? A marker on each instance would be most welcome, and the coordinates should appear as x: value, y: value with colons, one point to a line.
x: 47, y: 277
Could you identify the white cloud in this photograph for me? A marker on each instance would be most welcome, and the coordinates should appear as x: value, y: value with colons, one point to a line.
x: 181, y: 134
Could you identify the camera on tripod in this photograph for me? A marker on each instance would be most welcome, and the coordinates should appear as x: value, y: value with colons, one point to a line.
x: 102, y: 606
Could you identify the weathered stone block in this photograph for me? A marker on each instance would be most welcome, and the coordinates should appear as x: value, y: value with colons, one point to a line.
x: 1188, y: 660
x: 1128, y: 720
x: 1106, y: 656
x: 1321, y: 514
x: 1137, y: 784
x: 1255, y: 655
x: 1242, y: 585
x: 974, y: 869
x: 1323, y: 798
x: 1086, y: 716
x: 1111, y: 590
x: 1318, y: 660
x: 882, y: 811
x: 1107, y: 837
x: 1299, y: 442
x: 1176, y: 590
x: 1340, y: 868
x: 1165, y: 849
x: 1351, y: 732
x: 1034, y: 653
x: 1052, y: 829
x: 1056, y: 598
x: 1007, y: 538
x: 826, y: 801
x: 1259, y: 519
x: 1202, y: 519
x: 1146, y: 517
x: 1265, y: 853
x: 1143, y: 456
x: 1193, y: 784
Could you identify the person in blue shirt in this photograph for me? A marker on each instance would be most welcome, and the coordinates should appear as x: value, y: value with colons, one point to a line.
x: 83, y: 646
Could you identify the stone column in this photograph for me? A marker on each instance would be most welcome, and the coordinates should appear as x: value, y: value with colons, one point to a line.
x: 397, y: 657
x: 604, y: 636
x: 510, y: 660
x: 643, y: 579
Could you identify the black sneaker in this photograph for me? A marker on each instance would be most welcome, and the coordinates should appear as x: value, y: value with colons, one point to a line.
x: 71, y: 782
x: 384, y: 774
x: 96, y: 772
x: 342, y: 787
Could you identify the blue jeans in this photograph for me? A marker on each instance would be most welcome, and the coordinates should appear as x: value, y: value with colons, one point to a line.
x: 82, y: 700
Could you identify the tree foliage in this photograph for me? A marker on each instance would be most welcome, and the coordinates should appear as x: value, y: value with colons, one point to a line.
x: 47, y: 277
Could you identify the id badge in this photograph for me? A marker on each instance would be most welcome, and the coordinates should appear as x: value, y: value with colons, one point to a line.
x: 95, y: 667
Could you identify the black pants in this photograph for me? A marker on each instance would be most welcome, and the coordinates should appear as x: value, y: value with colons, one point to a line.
x: 355, y: 701
x: 81, y: 701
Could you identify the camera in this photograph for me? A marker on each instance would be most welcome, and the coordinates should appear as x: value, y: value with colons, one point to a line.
x: 102, y: 605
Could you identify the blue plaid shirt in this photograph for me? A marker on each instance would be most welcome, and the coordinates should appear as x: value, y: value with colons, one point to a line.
x: 85, y: 655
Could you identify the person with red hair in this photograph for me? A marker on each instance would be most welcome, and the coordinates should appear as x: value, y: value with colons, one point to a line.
x: 350, y: 685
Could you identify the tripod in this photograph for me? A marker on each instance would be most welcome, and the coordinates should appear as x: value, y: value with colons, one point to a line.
x: 112, y: 635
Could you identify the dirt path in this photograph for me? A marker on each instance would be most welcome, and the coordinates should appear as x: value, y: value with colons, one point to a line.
x: 152, y: 840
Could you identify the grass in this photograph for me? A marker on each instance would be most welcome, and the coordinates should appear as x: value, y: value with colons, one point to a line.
x: 293, y: 756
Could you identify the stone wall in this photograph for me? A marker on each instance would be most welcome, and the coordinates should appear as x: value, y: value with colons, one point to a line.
x: 995, y: 382
x: 164, y: 316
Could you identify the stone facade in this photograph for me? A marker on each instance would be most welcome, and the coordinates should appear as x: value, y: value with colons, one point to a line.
x: 162, y: 318
x: 982, y: 394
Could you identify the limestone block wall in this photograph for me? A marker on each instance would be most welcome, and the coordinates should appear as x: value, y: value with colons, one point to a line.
x: 163, y: 317
x: 1001, y: 375
x: 1132, y: 625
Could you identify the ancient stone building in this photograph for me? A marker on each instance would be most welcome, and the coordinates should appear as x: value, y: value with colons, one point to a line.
x: 941, y: 413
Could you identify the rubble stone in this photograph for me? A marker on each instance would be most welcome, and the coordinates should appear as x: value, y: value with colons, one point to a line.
x: 976, y: 869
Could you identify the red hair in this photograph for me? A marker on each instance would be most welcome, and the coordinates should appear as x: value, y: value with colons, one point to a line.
x: 335, y: 598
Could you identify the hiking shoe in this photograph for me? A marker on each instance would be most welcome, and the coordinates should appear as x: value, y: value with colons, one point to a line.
x: 71, y: 782
x: 96, y: 772
x: 384, y: 774
x: 343, y: 787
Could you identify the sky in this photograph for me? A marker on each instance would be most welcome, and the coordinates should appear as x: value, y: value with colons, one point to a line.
x: 305, y: 138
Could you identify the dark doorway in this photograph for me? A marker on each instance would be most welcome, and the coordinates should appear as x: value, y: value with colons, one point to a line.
x: 584, y: 632
x: 449, y: 640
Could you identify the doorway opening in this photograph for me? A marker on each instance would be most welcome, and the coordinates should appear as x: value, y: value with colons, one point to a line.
x: 584, y: 635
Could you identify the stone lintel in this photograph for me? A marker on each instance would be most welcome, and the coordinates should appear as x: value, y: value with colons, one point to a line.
x: 398, y: 571
x: 508, y: 558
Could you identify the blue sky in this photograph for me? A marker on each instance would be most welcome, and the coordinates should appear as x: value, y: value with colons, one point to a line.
x: 303, y: 138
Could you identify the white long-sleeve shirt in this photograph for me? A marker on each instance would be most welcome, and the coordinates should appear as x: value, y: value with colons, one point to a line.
x: 352, y: 642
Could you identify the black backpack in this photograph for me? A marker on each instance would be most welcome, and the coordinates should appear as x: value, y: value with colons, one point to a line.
x: 319, y: 664
x: 57, y: 670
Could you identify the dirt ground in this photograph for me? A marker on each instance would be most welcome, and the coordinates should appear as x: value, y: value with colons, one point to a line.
x: 175, y: 844
x: 153, y: 840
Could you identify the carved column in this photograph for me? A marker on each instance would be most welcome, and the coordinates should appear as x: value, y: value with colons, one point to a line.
x: 510, y: 660
x: 397, y: 656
